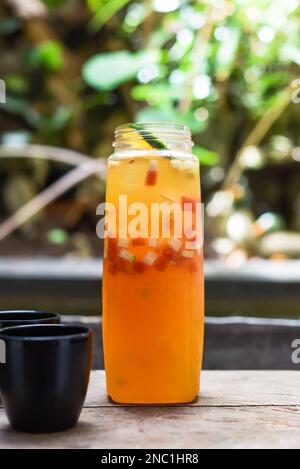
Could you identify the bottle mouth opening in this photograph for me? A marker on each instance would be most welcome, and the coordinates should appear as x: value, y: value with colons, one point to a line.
x: 158, y: 135
x: 159, y: 126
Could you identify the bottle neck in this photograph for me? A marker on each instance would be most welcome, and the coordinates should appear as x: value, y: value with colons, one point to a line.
x: 153, y: 137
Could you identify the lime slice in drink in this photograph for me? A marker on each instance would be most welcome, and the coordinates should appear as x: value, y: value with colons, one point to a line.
x: 147, y: 138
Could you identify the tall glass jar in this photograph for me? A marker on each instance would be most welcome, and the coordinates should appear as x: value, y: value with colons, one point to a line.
x: 153, y: 279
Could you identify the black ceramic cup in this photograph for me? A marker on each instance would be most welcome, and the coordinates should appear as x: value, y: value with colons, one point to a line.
x: 24, y: 317
x: 44, y: 379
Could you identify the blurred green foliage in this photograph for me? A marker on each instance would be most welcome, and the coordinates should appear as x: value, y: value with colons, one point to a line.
x: 48, y: 55
x: 152, y: 60
x: 100, y: 71
x: 218, y: 66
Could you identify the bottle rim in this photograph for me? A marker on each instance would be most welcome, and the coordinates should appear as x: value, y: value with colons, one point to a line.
x: 155, y: 125
x: 161, y: 135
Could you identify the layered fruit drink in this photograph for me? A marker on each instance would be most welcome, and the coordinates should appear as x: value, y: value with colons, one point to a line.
x: 153, y: 267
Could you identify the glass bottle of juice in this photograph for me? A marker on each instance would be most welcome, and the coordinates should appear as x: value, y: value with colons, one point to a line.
x: 153, y: 290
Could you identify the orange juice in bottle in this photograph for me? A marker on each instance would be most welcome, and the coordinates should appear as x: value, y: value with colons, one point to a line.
x: 153, y: 290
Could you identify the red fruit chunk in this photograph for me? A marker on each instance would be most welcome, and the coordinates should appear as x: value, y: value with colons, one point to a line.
x: 112, y: 248
x: 170, y: 253
x: 151, y: 177
x: 113, y: 268
x: 138, y: 267
x: 119, y: 265
x: 124, y: 265
x: 161, y: 263
x: 138, y: 242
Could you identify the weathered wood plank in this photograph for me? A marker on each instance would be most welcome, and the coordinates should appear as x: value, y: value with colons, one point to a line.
x: 169, y: 427
x: 237, y: 409
x: 226, y: 388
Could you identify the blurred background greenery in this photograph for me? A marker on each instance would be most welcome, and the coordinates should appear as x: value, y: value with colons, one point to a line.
x: 75, y: 69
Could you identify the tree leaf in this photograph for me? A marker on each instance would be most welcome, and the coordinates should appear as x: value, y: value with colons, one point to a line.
x: 290, y: 53
x: 206, y: 157
x: 155, y: 93
x: 104, y: 11
x: 109, y: 70
x: 225, y: 58
x: 168, y: 114
x: 48, y: 54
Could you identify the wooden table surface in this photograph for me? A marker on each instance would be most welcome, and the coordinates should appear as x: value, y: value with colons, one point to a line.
x: 236, y: 409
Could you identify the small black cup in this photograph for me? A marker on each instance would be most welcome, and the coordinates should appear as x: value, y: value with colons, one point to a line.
x: 24, y: 317
x: 44, y: 379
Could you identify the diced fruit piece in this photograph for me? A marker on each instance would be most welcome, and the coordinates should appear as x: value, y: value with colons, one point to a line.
x: 175, y: 244
x: 170, y: 253
x: 123, y: 243
x: 151, y: 176
x: 112, y: 248
x: 188, y: 254
x: 138, y: 241
x: 119, y: 265
x: 126, y: 255
x: 150, y: 258
x: 153, y: 242
x: 138, y: 267
x: 161, y: 263
x: 113, y: 267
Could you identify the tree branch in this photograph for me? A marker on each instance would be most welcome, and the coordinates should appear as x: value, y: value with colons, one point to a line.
x: 47, y: 196
x: 197, y: 59
x: 257, y: 134
x: 60, y: 155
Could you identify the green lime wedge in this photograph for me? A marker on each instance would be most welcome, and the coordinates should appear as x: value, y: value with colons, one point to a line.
x: 149, y: 137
